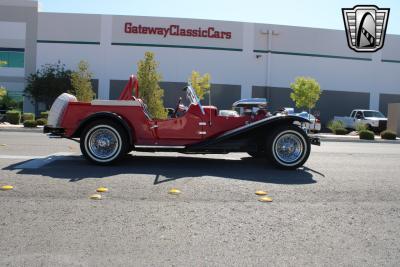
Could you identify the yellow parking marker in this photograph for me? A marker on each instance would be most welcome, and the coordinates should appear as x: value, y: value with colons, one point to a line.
x: 95, y: 197
x: 265, y: 199
x: 261, y: 193
x: 7, y: 187
x: 174, y: 191
x: 2, y: 144
x: 102, y: 189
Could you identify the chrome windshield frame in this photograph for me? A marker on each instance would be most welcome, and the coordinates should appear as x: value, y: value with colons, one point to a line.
x: 194, y: 99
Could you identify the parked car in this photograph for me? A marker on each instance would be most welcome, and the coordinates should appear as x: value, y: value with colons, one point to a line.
x: 251, y: 106
x: 108, y: 129
x: 374, y: 119
x: 284, y: 111
x: 314, y: 126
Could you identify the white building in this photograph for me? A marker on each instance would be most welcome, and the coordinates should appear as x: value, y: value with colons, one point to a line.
x: 244, y: 59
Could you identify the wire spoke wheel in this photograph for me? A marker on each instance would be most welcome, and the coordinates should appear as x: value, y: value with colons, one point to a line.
x: 289, y: 148
x: 103, y: 143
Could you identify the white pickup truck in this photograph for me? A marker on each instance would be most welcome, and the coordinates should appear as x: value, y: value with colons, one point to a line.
x: 374, y: 119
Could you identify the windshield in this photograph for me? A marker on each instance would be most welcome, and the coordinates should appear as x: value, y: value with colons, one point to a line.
x: 375, y: 114
x: 192, y: 97
x: 306, y: 115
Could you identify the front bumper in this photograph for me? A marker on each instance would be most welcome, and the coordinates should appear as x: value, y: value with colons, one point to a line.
x: 382, y: 125
x: 315, y: 140
x: 57, y: 131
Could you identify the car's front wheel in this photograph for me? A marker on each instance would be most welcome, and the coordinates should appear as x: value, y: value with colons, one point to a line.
x: 103, y: 142
x: 288, y: 147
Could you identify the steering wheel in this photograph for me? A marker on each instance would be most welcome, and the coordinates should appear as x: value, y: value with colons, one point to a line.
x: 177, y: 107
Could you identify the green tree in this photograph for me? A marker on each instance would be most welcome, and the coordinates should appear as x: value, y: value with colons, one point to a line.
x: 201, y: 84
x: 6, y: 102
x: 81, y: 82
x: 48, y: 83
x: 149, y: 88
x: 3, y: 92
x: 306, y: 92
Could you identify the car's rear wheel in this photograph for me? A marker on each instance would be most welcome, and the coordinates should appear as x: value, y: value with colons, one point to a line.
x: 103, y: 142
x: 288, y: 147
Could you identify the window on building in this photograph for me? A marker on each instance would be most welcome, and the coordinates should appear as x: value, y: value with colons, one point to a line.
x: 11, y: 59
x: 16, y: 95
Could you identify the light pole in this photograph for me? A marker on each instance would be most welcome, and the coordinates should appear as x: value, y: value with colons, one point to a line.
x: 269, y: 33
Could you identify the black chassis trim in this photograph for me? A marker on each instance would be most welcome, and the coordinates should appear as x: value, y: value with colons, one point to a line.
x: 57, y: 131
x: 103, y: 115
x: 315, y: 140
x: 245, y: 138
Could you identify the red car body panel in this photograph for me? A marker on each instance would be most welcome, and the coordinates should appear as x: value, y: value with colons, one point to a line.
x: 194, y: 126
x: 190, y: 128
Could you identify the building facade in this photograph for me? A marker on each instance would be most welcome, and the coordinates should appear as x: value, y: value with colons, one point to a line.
x: 244, y: 59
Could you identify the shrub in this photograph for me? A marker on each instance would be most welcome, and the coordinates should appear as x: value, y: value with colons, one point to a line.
x: 30, y: 123
x: 41, y: 121
x: 44, y: 114
x: 361, y: 126
x: 333, y: 125
x: 13, y: 116
x: 389, y: 135
x: 28, y: 117
x: 367, y: 135
x: 340, y: 131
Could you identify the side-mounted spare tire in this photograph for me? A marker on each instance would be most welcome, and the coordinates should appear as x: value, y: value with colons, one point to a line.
x: 104, y: 141
x: 288, y: 147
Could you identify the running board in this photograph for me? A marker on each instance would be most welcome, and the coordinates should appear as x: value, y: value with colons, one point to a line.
x: 155, y: 148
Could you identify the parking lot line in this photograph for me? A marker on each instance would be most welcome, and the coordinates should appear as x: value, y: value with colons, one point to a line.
x: 16, y: 157
x: 38, y: 162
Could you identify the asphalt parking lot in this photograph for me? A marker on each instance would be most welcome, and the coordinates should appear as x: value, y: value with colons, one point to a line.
x: 342, y: 208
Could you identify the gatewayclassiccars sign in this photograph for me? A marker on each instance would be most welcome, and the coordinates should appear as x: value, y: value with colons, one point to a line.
x: 177, y: 30
x: 174, y: 32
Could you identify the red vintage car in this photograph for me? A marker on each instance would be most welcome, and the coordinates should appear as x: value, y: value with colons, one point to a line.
x: 109, y: 129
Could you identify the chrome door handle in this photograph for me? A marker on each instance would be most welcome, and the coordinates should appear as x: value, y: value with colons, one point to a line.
x: 153, y: 127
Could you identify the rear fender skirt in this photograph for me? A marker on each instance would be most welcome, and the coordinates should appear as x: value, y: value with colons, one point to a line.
x: 104, y: 115
x: 246, y: 132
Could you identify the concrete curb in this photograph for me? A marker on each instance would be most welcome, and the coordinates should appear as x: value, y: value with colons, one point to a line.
x: 359, y: 140
x: 355, y: 139
x: 22, y: 129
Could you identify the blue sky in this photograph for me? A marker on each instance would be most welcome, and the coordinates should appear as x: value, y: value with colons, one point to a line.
x: 308, y: 13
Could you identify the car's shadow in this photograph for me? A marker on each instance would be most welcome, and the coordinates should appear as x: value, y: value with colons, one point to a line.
x: 168, y: 168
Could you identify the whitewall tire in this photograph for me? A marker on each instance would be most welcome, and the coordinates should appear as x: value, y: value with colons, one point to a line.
x: 103, y: 142
x: 288, y: 147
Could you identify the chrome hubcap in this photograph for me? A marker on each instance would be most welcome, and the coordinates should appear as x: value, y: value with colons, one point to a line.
x: 103, y: 143
x: 289, y: 148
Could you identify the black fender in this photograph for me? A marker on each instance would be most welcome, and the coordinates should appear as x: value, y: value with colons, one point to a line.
x: 104, y: 115
x: 251, y: 131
